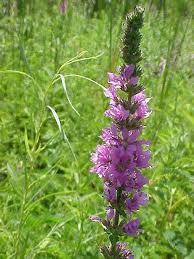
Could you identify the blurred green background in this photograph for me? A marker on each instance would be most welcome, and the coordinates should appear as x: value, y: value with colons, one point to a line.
x: 46, y: 190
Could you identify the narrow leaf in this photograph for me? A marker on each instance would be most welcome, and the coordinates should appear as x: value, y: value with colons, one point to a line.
x: 65, y: 90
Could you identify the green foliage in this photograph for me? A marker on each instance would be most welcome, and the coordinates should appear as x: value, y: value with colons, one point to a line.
x: 46, y: 192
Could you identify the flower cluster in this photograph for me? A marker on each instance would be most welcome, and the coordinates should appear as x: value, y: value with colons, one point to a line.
x: 122, y: 156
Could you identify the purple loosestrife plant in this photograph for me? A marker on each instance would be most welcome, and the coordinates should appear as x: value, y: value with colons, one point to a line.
x: 63, y: 7
x: 122, y: 156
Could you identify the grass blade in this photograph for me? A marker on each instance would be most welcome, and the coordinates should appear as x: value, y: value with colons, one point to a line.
x: 65, y: 90
x: 64, y: 136
x: 80, y: 76
x: 16, y: 72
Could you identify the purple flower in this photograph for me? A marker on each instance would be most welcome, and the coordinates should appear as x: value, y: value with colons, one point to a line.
x: 110, y: 213
x: 132, y: 227
x: 122, y: 159
x: 110, y: 135
x: 101, y: 155
x: 117, y: 112
x: 135, y: 182
x: 112, y: 94
x: 142, y: 157
x: 63, y: 7
x: 121, y: 165
x: 140, y: 180
x: 125, y: 79
x: 140, y: 97
x: 123, y: 251
x: 142, y: 108
x: 114, y: 80
x: 109, y: 192
x: 101, y: 159
x: 130, y: 136
x: 114, y: 164
x: 95, y: 218
x: 139, y: 199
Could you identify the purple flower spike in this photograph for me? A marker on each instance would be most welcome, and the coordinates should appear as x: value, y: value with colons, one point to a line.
x: 119, y: 160
x: 122, y: 157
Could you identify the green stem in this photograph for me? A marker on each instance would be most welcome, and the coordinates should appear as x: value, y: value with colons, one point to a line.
x: 19, y: 232
x: 116, y: 221
x: 115, y: 238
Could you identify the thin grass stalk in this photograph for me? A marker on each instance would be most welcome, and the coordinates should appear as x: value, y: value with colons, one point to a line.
x: 22, y: 216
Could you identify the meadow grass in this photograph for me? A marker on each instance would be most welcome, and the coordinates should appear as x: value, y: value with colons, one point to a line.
x: 46, y: 191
